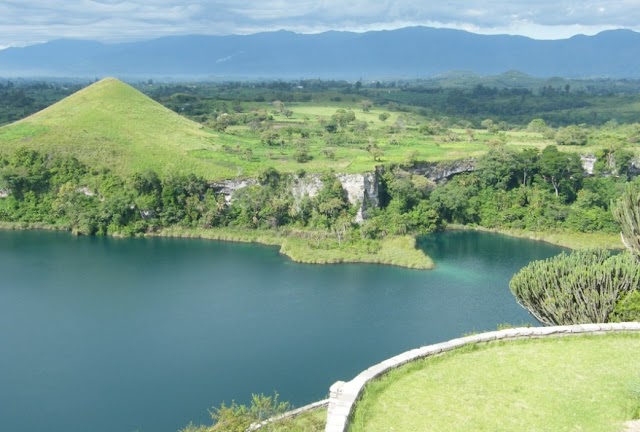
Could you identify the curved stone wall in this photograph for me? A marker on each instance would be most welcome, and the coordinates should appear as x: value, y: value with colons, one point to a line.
x: 344, y: 395
x: 290, y: 414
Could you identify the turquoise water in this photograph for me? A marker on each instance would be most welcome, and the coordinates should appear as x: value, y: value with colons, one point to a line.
x: 113, y: 335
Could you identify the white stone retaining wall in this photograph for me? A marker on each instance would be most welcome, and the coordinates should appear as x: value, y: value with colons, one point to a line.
x: 344, y: 395
x: 290, y: 414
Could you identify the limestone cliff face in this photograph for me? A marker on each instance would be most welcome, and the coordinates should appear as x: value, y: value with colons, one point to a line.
x: 309, y: 185
x: 229, y: 187
x: 588, y: 162
x: 362, y: 190
x: 438, y: 171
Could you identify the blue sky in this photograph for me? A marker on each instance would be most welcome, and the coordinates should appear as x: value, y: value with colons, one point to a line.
x: 24, y: 22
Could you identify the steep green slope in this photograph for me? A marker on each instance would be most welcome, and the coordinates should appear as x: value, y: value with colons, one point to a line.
x: 111, y: 124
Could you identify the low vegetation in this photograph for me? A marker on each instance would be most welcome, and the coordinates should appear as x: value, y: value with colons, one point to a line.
x: 560, y: 384
x: 239, y: 418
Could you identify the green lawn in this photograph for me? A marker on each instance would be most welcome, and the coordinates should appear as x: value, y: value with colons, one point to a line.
x: 582, y: 383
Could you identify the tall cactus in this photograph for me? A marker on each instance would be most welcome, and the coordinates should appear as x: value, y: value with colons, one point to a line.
x: 627, y: 212
x: 579, y: 288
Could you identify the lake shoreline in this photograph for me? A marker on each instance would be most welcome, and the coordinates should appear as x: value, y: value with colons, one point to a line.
x: 567, y: 240
x: 399, y: 251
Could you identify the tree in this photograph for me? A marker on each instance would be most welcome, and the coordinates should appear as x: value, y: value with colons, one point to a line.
x: 580, y: 288
x: 526, y: 163
x: 537, y: 125
x: 489, y: 125
x: 271, y: 137
x: 498, y: 168
x: 571, y: 135
x: 366, y: 105
x: 375, y: 151
x: 560, y: 170
x: 329, y: 153
x: 343, y: 117
x: 627, y: 213
x: 384, y: 116
x: 302, y: 155
x: 278, y: 106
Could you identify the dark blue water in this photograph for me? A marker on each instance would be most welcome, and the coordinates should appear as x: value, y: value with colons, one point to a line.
x: 113, y: 335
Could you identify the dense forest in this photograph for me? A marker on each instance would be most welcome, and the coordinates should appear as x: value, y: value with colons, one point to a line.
x: 528, y: 190
x: 513, y: 98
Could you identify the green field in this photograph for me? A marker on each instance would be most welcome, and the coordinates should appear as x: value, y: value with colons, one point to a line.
x: 584, y: 383
x: 110, y: 124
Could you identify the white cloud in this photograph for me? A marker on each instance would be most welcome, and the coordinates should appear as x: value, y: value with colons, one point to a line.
x: 30, y: 21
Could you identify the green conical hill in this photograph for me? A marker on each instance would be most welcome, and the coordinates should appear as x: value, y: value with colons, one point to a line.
x: 112, y: 124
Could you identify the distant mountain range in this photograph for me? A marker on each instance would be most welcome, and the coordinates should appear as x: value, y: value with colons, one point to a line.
x: 405, y: 53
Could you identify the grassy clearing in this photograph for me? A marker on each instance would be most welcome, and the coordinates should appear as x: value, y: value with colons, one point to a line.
x: 582, y: 383
x: 304, y: 247
x: 571, y: 240
x: 393, y: 250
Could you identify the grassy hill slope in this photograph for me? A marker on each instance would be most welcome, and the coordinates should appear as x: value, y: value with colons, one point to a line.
x: 110, y: 124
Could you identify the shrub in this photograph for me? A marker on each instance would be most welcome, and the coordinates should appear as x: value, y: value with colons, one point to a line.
x: 583, y: 287
x: 301, y: 155
x: 626, y: 212
x: 571, y: 135
x: 238, y: 418
x: 627, y: 308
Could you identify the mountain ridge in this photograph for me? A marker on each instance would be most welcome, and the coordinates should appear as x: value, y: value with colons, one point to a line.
x: 403, y: 53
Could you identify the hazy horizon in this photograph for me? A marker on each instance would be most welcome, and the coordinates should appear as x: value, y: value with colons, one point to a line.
x: 31, y: 22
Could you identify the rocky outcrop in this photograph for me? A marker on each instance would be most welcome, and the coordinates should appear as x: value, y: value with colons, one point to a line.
x: 4, y: 193
x: 439, y: 171
x: 634, y: 169
x: 306, y: 186
x: 85, y: 191
x: 362, y: 190
x: 229, y: 187
x: 588, y: 163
